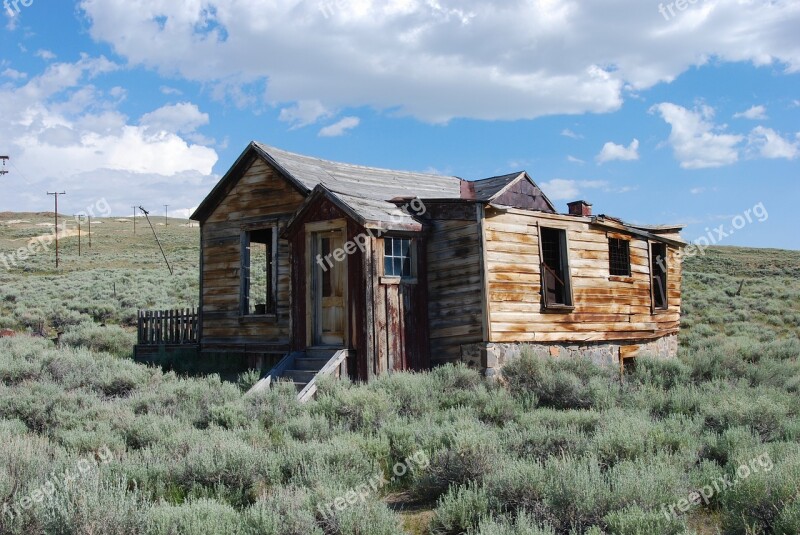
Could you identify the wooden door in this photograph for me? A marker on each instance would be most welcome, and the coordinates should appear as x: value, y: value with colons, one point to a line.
x: 329, y: 291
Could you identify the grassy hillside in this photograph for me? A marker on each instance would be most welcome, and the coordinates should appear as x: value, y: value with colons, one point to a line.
x: 93, y: 443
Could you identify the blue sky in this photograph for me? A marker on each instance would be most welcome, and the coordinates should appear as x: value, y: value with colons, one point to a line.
x: 655, y: 116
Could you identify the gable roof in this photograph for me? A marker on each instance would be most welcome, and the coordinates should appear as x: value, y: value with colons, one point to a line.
x: 367, y: 191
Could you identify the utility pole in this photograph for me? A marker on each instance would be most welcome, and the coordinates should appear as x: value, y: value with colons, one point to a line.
x: 78, y: 219
x: 3, y: 170
x: 166, y: 215
x: 90, y: 232
x: 56, y: 229
x: 134, y: 220
x: 146, y: 215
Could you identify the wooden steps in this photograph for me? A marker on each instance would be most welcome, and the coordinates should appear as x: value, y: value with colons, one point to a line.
x: 303, y: 367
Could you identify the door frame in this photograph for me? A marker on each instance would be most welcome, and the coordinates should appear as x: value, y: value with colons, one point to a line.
x: 311, y: 229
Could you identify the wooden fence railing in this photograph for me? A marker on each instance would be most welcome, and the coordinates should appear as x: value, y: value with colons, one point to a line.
x: 158, y: 327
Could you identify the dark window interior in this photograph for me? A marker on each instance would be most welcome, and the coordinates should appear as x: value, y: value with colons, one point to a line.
x: 619, y: 254
x: 397, y: 257
x: 555, y: 268
x: 257, y: 262
x: 659, y: 267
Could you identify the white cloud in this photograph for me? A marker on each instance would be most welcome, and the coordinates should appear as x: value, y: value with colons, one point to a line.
x: 166, y: 90
x: 14, y: 74
x: 341, y: 127
x: 612, y: 151
x: 560, y: 189
x: 755, y: 113
x: 768, y: 143
x: 45, y: 54
x: 65, y: 133
x: 695, y: 139
x: 444, y: 59
x: 304, y: 113
x: 569, y: 133
x: 180, y: 118
x: 573, y: 159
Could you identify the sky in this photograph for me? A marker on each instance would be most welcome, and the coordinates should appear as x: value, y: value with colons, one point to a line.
x: 677, y: 112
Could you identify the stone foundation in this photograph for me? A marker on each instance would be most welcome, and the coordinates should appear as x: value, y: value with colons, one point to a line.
x: 491, y: 357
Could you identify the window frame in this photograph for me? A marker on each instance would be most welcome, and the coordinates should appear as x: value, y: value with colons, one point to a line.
x: 626, y: 257
x: 566, y: 268
x: 271, y: 305
x: 412, y: 258
x: 655, y: 309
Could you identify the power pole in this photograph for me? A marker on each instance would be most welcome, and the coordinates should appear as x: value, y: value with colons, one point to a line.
x: 3, y: 170
x: 56, y: 229
x: 78, y: 219
x: 134, y: 220
x: 90, y: 232
x: 166, y: 215
x: 146, y: 215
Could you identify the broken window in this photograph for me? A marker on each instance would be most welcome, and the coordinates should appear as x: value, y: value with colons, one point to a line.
x: 658, y: 265
x: 397, y: 257
x: 619, y: 257
x: 556, y: 285
x: 258, y: 272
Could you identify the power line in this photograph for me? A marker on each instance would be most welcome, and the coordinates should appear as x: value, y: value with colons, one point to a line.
x: 146, y: 215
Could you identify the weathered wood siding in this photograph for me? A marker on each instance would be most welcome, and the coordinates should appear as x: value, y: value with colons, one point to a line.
x: 605, y: 309
x: 454, y: 281
x: 260, y: 196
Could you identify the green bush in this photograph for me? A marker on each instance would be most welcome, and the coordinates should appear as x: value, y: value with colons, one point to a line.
x: 110, y: 339
x: 460, y: 510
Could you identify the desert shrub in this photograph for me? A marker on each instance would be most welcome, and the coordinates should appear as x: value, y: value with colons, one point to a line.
x: 723, y: 446
x: 286, y: 511
x: 456, y: 378
x: 110, y: 339
x: 766, y: 483
x: 636, y: 521
x: 354, y: 408
x: 248, y: 379
x: 536, y: 441
x: 189, y: 400
x: 196, y: 517
x: 557, y: 384
x: 144, y: 430
x: 576, y: 492
x: 230, y: 415
x: 789, y: 519
x: 469, y: 456
x: 275, y: 407
x: 411, y: 395
x: 662, y: 373
x: 765, y: 411
x: 342, y: 461
x: 517, y: 485
x: 522, y: 524
x: 648, y: 483
x: 370, y: 516
x: 94, y: 505
x: 76, y: 368
x: 460, y: 510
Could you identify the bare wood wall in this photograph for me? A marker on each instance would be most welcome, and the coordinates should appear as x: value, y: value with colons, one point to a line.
x: 604, y: 309
x: 260, y: 196
x: 454, y: 281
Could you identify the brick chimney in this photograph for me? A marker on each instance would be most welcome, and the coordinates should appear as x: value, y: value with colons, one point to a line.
x: 580, y: 208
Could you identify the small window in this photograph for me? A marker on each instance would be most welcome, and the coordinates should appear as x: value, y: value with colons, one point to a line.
x: 556, y: 284
x: 258, y: 263
x: 658, y: 265
x: 619, y: 256
x: 397, y: 257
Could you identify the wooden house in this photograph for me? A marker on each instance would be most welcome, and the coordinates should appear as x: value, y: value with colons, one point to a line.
x: 311, y: 264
